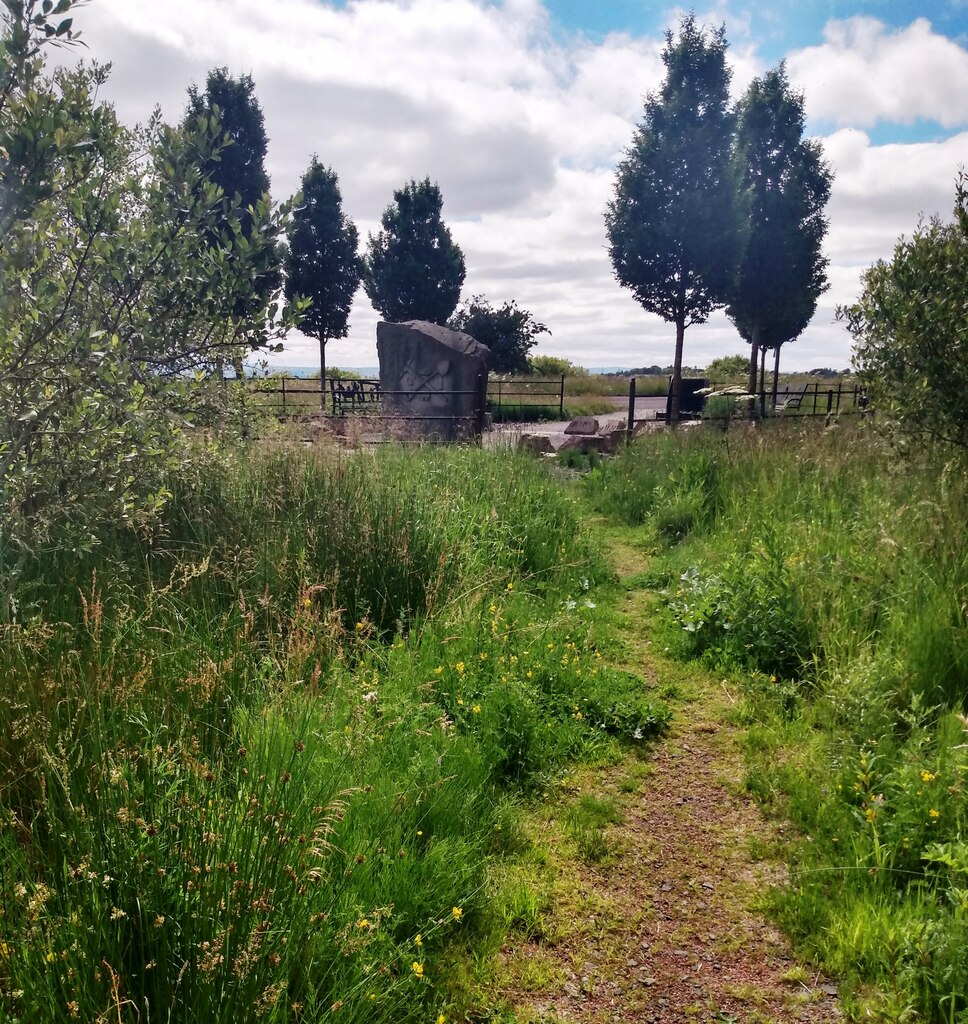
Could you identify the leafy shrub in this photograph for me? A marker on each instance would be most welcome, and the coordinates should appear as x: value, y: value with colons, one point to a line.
x: 670, y: 482
x: 746, y: 615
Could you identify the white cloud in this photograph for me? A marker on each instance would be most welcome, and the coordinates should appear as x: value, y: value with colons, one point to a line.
x: 865, y: 72
x: 522, y: 129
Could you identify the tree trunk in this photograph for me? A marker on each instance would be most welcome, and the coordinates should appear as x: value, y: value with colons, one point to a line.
x: 776, y: 374
x: 675, y: 388
x: 762, y: 388
x: 322, y: 372
x: 754, y: 359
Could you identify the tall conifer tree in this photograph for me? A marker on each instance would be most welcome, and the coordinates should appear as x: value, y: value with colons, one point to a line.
x: 322, y: 262
x: 675, y: 225
x: 413, y: 269
x: 787, y: 183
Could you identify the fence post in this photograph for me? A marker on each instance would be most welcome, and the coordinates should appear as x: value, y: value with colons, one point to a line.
x: 840, y: 385
x: 561, y: 398
x: 631, y: 423
x: 283, y: 394
x: 830, y: 401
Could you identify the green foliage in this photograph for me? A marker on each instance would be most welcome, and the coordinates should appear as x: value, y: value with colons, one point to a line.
x: 509, y: 332
x: 238, y: 168
x: 113, y: 302
x: 727, y: 368
x: 910, y: 342
x: 321, y: 262
x: 413, y: 269
x: 676, y: 489
x: 783, y: 270
x: 222, y: 795
x: 675, y: 225
x: 741, y: 614
x: 555, y: 366
x: 831, y: 582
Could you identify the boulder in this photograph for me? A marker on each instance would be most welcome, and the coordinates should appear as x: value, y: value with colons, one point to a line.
x: 434, y: 378
x: 585, y: 443
x: 582, y: 425
x: 539, y: 444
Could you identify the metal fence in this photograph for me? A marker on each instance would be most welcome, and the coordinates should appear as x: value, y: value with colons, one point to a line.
x: 708, y: 400
x: 340, y: 396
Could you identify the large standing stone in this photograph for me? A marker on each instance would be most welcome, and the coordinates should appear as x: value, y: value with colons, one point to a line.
x: 435, y: 378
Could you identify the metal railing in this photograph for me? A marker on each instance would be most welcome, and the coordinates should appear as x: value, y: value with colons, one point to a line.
x: 340, y: 396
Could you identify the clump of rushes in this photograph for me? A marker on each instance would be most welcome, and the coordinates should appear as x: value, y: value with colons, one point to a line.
x: 252, y: 767
x: 832, y: 581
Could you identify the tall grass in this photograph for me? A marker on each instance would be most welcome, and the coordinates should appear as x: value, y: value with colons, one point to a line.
x: 253, y: 764
x: 834, y: 577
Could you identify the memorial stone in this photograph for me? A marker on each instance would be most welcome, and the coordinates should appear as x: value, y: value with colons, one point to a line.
x: 434, y: 378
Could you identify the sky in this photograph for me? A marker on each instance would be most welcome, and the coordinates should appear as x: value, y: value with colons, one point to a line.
x: 521, y: 110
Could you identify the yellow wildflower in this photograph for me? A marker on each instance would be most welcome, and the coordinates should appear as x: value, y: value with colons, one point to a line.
x: 934, y: 813
x: 417, y: 968
x: 476, y: 709
x: 418, y: 939
x: 457, y: 913
x: 927, y: 776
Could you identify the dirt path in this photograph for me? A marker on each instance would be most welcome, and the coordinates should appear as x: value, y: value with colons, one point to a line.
x: 664, y: 928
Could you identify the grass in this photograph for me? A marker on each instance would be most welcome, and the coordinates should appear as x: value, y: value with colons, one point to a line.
x: 264, y: 760
x: 828, y: 581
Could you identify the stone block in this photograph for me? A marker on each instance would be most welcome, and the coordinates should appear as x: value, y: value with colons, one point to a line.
x: 434, y: 378
x: 585, y: 443
x: 539, y: 444
x: 582, y: 425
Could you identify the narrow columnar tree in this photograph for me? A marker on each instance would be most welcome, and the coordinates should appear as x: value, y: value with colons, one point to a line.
x: 322, y: 263
x: 676, y: 223
x: 239, y: 168
x: 787, y: 183
x: 413, y: 269
x: 229, y: 106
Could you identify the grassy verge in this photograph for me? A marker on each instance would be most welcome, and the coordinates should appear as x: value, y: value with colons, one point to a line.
x: 263, y: 762
x: 830, y: 580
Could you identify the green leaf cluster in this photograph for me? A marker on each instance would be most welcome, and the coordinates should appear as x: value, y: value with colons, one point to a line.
x: 720, y: 207
x: 675, y: 225
x: 508, y: 331
x: 322, y: 263
x: 122, y: 271
x: 910, y: 330
x: 413, y: 269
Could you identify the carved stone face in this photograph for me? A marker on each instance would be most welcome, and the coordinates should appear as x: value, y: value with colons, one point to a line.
x: 426, y: 379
